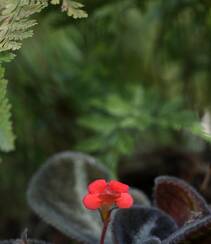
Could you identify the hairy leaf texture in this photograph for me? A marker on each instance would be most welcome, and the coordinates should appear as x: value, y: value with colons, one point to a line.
x: 181, y: 201
x: 199, y: 231
x: 19, y: 241
x: 153, y: 240
x: 139, y: 197
x: 56, y: 192
x: 141, y: 225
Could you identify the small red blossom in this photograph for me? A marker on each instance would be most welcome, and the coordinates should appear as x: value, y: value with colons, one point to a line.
x: 103, y: 194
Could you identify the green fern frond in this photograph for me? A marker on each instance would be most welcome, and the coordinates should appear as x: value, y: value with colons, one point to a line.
x: 14, y: 23
x: 6, y: 134
x: 72, y: 8
x: 15, y: 26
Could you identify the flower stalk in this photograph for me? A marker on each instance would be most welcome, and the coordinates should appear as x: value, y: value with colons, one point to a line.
x: 105, y: 196
x: 104, y: 230
x: 105, y: 213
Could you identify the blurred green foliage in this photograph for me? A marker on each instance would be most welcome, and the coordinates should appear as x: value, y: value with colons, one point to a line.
x: 6, y: 135
x: 132, y: 70
x: 15, y: 26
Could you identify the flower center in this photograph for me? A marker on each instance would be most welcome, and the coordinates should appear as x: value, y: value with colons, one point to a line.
x: 109, y: 196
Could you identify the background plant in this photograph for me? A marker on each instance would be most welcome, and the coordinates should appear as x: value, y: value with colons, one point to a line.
x: 15, y: 26
x: 131, y: 75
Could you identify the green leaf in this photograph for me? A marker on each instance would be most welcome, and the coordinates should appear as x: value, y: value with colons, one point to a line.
x: 117, y: 106
x: 197, y: 129
x: 125, y: 143
x: 72, y: 8
x: 92, y: 144
x: 15, y: 24
x: 6, y: 135
x: 98, y: 123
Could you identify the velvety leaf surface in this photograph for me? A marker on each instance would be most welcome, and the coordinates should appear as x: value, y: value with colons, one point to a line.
x: 179, y: 199
x: 56, y: 192
x: 139, y: 197
x: 152, y: 240
x: 197, y: 232
x: 19, y: 241
x: 139, y: 225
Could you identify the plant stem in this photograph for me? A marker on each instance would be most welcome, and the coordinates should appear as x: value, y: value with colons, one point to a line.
x: 206, y: 181
x: 103, y: 233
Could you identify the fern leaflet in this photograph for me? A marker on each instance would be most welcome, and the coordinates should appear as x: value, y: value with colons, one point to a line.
x: 6, y: 134
x: 72, y: 8
x: 14, y: 23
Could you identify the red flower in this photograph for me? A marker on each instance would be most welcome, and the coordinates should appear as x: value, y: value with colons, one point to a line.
x: 103, y: 194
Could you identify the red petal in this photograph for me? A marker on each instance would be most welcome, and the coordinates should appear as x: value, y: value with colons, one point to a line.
x: 125, y: 201
x: 91, y: 201
x: 97, y: 186
x: 118, y: 186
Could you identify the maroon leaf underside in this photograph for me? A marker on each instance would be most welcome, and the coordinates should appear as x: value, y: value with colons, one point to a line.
x: 178, y: 199
x: 198, y: 231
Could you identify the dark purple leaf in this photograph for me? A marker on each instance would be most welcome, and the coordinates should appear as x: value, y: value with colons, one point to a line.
x: 141, y: 225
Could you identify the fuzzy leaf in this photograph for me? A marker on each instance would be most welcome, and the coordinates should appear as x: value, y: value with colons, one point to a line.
x: 141, y: 225
x: 139, y: 197
x: 56, y: 192
x: 19, y: 241
x: 179, y: 200
x: 198, y: 231
x: 152, y: 240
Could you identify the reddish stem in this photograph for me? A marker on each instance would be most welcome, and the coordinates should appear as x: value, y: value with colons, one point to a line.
x: 206, y: 180
x: 103, y: 233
